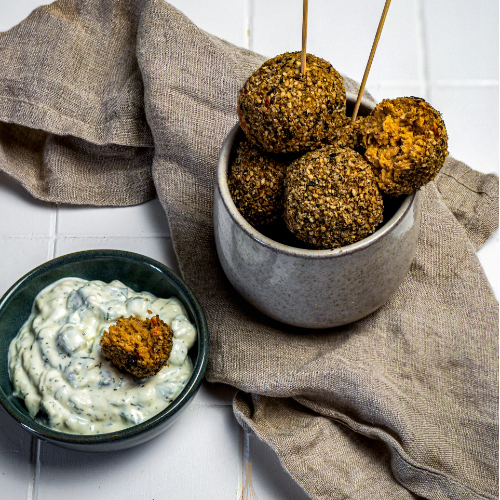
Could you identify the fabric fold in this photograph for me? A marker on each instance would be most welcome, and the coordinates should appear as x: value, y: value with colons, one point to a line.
x: 70, y: 69
x: 108, y: 102
x: 472, y: 197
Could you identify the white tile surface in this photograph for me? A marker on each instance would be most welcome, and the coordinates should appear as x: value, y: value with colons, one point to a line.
x: 214, y: 395
x: 461, y: 39
x: 276, y: 27
x: 342, y: 33
x: 13, y: 13
x: 21, y: 255
x: 16, y: 468
x: 226, y: 18
x: 387, y: 90
x: 157, y: 248
x: 471, y: 117
x: 197, y: 458
x: 270, y: 480
x: 21, y: 214
x: 489, y: 259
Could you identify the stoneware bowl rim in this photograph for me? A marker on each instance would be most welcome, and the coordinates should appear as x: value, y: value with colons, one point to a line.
x: 87, y: 441
x: 259, y: 238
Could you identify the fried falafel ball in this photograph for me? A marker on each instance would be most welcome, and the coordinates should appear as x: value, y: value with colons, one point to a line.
x: 349, y: 134
x: 283, y: 111
x: 332, y: 198
x: 139, y: 347
x: 406, y: 143
x: 256, y: 182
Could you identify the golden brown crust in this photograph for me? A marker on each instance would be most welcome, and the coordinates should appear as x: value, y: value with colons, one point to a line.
x: 283, y: 111
x: 139, y: 347
x: 256, y: 183
x: 331, y: 198
x: 406, y: 143
x: 348, y: 134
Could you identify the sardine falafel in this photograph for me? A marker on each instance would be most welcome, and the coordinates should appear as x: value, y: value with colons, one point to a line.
x: 139, y: 347
x: 283, y: 111
x: 349, y: 134
x: 256, y: 182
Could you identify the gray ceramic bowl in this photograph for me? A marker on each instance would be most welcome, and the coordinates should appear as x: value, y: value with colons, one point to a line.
x: 313, y: 288
x: 139, y: 273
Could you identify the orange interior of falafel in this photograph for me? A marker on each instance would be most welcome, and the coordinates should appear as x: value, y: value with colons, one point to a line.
x: 400, y: 136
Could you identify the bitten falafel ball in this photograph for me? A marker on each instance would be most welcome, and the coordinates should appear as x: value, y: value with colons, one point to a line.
x: 283, y: 111
x: 406, y: 143
x: 331, y: 198
x: 139, y: 347
x: 256, y: 182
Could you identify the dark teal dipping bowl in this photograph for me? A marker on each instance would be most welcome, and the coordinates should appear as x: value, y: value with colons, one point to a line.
x: 138, y: 272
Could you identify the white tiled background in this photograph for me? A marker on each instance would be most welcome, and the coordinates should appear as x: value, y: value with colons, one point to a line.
x: 445, y: 52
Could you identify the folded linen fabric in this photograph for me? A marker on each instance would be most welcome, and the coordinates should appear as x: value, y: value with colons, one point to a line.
x: 108, y: 102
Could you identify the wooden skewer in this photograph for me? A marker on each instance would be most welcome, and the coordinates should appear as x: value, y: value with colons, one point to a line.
x: 304, y: 38
x: 370, y: 59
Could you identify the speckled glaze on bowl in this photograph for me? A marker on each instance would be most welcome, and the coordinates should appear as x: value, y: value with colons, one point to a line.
x: 313, y: 288
x: 137, y: 272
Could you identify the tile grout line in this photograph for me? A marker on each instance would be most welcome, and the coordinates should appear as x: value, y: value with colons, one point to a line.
x: 243, y: 438
x: 243, y: 455
x: 246, y: 446
x: 35, y: 468
x: 243, y: 435
x: 437, y: 83
x: 35, y: 442
x: 246, y: 24
x: 464, y: 83
x: 52, y: 246
x: 422, y: 49
x: 211, y: 405
x: 95, y: 237
x: 52, y: 232
x: 70, y: 237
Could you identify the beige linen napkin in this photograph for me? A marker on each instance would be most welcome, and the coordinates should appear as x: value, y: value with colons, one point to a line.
x: 107, y: 102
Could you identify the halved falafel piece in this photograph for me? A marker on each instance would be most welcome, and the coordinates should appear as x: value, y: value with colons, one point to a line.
x: 282, y: 111
x: 406, y: 143
x: 139, y: 347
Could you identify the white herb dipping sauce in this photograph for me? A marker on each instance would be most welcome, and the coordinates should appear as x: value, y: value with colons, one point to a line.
x: 56, y: 364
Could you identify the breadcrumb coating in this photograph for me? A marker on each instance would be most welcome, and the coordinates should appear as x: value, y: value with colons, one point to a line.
x: 256, y: 182
x: 349, y: 134
x: 331, y: 198
x: 282, y: 110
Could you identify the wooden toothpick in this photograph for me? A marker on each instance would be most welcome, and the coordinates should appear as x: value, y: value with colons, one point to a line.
x: 304, y: 38
x: 370, y: 59
x: 248, y: 492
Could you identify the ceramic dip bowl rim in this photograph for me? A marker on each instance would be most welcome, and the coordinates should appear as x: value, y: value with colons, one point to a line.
x: 259, y: 238
x: 46, y: 433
